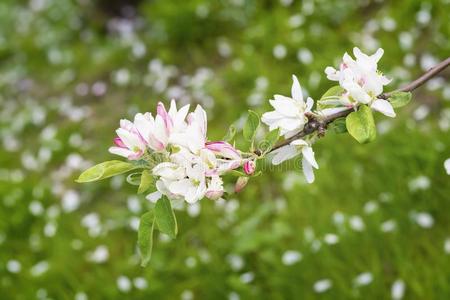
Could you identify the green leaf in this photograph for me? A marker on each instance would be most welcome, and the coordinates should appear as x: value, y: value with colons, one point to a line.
x: 165, y: 217
x: 269, y: 140
x: 399, y: 99
x: 145, y: 237
x: 336, y: 90
x: 134, y: 178
x: 251, y: 125
x: 230, y: 134
x: 361, y: 125
x: 104, y: 170
x: 146, y: 181
x: 338, y: 126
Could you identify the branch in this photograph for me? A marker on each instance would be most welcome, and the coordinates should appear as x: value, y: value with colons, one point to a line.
x: 315, y: 124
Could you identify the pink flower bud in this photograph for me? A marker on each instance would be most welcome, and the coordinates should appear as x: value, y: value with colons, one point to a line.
x: 118, y: 142
x: 240, y: 184
x: 249, y: 167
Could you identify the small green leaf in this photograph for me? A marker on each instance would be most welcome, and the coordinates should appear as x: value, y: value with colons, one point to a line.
x: 338, y: 126
x: 399, y: 99
x: 230, y: 134
x: 145, y: 237
x: 104, y: 170
x: 269, y: 140
x: 251, y: 125
x: 165, y: 217
x: 334, y: 91
x: 361, y: 125
x: 146, y: 181
x: 134, y: 178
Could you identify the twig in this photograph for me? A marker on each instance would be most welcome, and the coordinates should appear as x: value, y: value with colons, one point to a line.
x: 315, y: 124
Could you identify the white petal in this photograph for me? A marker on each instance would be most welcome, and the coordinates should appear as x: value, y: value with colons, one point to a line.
x: 131, y: 140
x: 331, y: 111
x: 308, y: 171
x: 153, y: 197
x: 180, y: 187
x: 296, y: 89
x: 299, y: 142
x: 308, y: 154
x: 120, y: 151
x: 284, y: 153
x: 285, y: 106
x: 309, y: 104
x: 384, y: 107
x: 376, y: 57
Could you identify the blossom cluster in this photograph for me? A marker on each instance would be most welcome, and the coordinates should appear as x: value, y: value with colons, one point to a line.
x: 360, y: 83
x: 174, y: 142
x: 185, y: 165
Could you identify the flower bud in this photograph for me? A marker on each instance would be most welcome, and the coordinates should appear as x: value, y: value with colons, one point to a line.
x: 240, y: 184
x: 249, y: 167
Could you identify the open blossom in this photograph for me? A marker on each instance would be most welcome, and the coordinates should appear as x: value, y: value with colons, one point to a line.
x: 362, y: 82
x: 129, y: 142
x: 289, y: 114
x: 294, y: 149
x: 191, y: 166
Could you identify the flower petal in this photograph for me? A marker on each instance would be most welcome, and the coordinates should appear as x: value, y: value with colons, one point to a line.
x: 308, y: 171
x: 296, y: 90
x: 384, y: 107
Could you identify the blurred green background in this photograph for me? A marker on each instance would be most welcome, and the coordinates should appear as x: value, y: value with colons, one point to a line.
x: 374, y: 225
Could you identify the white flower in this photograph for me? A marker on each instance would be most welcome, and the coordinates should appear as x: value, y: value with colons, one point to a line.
x: 362, y: 83
x: 193, y: 137
x: 293, y: 149
x: 129, y: 142
x: 289, y: 114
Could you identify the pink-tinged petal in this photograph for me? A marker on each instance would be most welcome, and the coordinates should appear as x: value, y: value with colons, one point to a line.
x: 384, y: 107
x: 249, y: 167
x: 124, y: 152
x: 296, y: 90
x: 161, y: 110
x: 118, y: 142
x: 135, y: 155
x: 224, y: 149
x: 214, y: 195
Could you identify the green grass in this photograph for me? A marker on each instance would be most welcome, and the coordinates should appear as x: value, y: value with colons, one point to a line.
x: 276, y: 211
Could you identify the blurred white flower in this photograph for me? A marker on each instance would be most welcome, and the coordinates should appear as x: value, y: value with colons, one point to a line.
x: 322, y: 285
x: 447, y: 166
x: 423, y: 219
x: 13, y: 266
x: 357, y: 223
x: 291, y: 257
x: 331, y: 238
x: 398, y: 289
x: 123, y: 284
x: 363, y: 279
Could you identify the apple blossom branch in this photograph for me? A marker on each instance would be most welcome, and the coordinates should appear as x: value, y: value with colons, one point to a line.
x: 315, y: 124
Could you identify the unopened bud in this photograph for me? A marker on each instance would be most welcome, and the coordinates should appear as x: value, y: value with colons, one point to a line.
x: 249, y: 167
x: 240, y: 184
